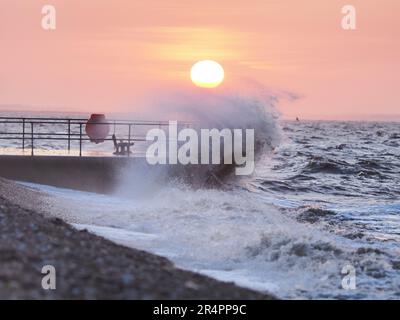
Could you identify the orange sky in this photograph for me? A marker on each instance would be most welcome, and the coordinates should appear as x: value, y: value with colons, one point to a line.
x: 105, y: 54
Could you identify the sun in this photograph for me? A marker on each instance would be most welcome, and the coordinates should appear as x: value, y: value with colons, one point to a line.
x: 207, y: 74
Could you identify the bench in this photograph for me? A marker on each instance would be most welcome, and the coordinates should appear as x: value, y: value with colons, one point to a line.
x: 121, y: 148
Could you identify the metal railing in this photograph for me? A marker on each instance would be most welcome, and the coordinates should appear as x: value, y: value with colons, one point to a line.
x: 73, y: 130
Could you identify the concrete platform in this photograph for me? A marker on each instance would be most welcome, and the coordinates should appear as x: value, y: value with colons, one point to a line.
x: 107, y: 174
x: 94, y: 174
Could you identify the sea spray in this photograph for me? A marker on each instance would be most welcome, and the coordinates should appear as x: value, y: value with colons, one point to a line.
x: 207, y: 110
x: 202, y: 147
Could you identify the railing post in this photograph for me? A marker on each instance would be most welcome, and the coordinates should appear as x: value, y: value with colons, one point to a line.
x: 23, y: 134
x: 32, y: 139
x: 69, y: 135
x: 80, y: 139
x: 129, y: 141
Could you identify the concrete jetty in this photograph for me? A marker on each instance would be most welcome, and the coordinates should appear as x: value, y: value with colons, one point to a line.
x: 94, y: 174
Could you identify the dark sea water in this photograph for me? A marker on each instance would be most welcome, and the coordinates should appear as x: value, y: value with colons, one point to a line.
x: 326, y: 198
x: 342, y: 178
x: 350, y: 167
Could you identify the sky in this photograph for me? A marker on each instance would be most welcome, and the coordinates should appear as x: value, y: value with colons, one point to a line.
x: 105, y: 56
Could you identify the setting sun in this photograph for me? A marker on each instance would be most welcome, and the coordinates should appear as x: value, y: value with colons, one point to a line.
x: 207, y: 74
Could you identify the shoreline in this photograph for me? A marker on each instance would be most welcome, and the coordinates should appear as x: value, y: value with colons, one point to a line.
x: 87, y: 266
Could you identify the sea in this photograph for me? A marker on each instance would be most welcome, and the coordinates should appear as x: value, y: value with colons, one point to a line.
x: 318, y: 219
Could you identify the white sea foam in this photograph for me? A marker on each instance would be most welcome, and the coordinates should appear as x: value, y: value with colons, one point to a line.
x: 231, y: 236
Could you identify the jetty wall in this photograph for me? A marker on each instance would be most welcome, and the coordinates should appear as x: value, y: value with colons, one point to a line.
x: 94, y: 174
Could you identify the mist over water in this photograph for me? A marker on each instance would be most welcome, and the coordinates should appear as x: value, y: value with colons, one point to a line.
x: 205, y: 110
x: 253, y: 109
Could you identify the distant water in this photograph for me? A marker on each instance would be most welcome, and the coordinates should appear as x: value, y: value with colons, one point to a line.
x: 328, y: 196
